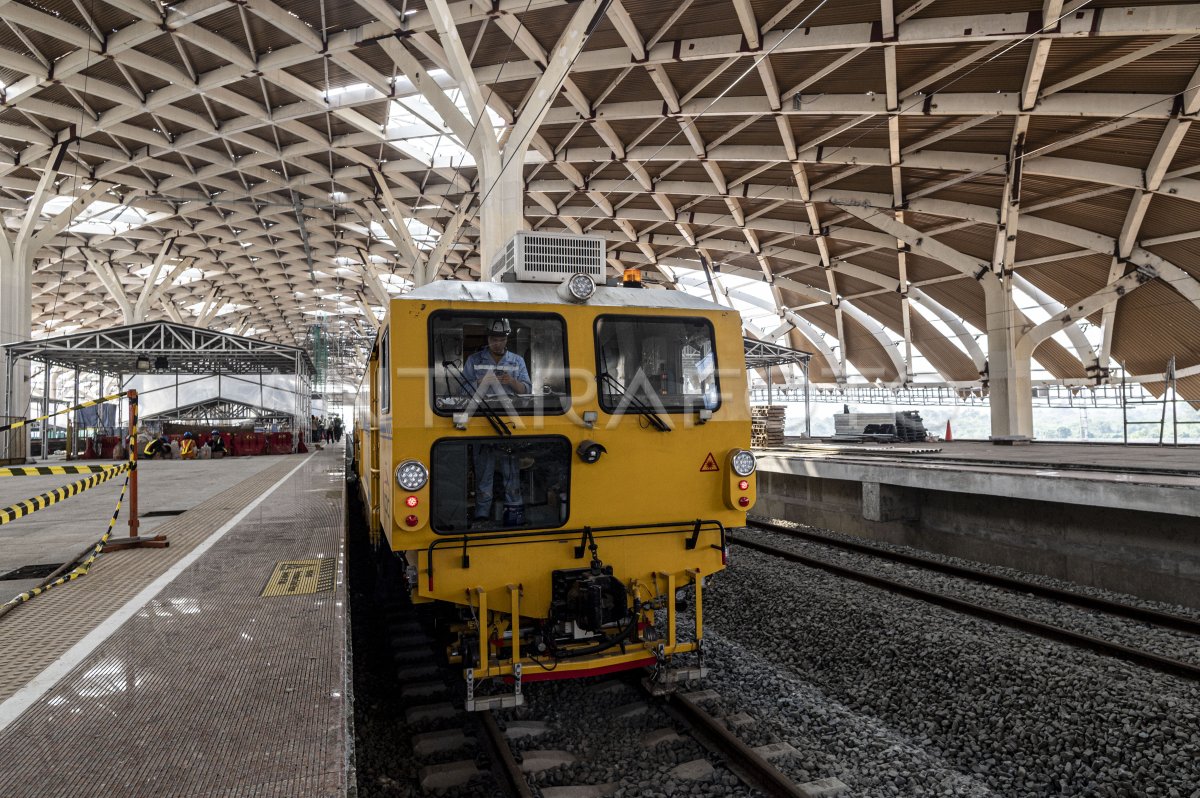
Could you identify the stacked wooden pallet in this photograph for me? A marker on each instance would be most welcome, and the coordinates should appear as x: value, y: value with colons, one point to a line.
x: 766, y: 425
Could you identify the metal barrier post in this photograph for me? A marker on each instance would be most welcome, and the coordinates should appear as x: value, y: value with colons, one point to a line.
x: 134, y: 541
x: 133, y: 453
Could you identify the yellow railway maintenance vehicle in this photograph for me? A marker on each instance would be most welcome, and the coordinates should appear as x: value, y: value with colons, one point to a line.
x: 555, y: 460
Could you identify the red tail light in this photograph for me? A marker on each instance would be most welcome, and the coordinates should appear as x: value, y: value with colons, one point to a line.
x: 411, y: 520
x: 411, y: 501
x: 744, y: 501
x: 744, y: 484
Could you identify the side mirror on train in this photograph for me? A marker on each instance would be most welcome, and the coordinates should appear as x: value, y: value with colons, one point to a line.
x: 590, y: 451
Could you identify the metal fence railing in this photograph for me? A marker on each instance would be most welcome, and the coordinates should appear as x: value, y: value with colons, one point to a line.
x: 14, y: 444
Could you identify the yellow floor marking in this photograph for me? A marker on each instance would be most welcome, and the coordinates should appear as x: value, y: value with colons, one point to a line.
x: 300, y: 577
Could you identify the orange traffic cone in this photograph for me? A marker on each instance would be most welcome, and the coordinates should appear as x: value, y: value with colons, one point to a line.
x: 949, y: 435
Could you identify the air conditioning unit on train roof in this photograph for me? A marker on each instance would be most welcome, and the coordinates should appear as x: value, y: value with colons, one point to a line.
x: 537, y: 257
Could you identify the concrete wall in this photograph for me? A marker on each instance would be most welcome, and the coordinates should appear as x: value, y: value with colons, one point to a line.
x: 1152, y: 555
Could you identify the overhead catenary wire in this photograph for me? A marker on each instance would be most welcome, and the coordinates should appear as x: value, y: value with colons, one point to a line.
x: 504, y: 163
x: 466, y: 145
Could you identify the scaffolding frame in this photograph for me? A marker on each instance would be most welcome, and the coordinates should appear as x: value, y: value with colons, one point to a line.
x: 766, y: 355
x: 159, y: 347
x: 1169, y: 398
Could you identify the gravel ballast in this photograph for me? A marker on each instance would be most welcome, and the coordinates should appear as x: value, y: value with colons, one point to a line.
x: 1136, y: 634
x: 1007, y: 713
x: 890, y: 695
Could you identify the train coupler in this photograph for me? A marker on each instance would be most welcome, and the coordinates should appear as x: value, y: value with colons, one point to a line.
x: 499, y: 701
x: 664, y: 678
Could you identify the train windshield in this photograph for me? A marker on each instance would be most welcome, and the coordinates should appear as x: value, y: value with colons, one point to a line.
x: 491, y: 484
x: 656, y: 365
x: 513, y: 364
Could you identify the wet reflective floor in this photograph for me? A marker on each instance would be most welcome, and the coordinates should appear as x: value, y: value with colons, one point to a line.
x: 176, y: 672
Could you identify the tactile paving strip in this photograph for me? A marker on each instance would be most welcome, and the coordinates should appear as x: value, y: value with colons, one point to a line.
x: 210, y: 690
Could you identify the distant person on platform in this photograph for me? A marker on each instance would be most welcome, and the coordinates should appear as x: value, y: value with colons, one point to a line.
x: 158, y: 448
x: 216, y: 442
x: 187, y: 447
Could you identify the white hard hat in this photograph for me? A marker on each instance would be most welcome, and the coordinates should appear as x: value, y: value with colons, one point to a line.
x: 499, y: 327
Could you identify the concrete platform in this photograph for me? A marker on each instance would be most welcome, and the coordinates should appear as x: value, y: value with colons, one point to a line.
x: 1121, y: 518
x: 1150, y: 479
x: 168, y: 671
x: 61, y: 531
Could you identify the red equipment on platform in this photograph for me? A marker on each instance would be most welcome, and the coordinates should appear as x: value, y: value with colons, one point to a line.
x: 279, y: 443
x: 108, y: 443
x: 250, y: 443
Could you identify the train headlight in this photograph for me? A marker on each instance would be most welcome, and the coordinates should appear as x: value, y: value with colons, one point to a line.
x: 743, y: 463
x: 411, y: 475
x: 577, y: 288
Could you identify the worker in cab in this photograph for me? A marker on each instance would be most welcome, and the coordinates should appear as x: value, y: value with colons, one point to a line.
x: 495, y: 372
x: 158, y: 448
x: 216, y: 442
x: 187, y: 447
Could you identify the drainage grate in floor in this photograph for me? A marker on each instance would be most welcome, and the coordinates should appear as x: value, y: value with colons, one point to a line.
x: 160, y: 513
x: 30, y: 572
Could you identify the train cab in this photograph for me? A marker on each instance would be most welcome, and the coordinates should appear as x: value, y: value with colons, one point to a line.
x: 553, y: 461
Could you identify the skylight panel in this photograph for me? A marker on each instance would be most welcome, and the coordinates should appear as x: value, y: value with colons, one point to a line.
x: 101, y: 218
x: 229, y: 307
x: 394, y: 283
x: 438, y: 147
x: 191, y: 274
x: 424, y: 235
x: 942, y: 328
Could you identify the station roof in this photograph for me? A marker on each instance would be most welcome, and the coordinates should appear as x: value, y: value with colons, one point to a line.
x: 161, y: 346
x: 272, y: 161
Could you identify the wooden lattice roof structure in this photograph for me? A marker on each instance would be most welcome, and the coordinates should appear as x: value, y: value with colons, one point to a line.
x: 267, y: 163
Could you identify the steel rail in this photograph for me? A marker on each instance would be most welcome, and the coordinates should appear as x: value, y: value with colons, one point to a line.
x: 1137, y: 656
x: 508, y: 772
x: 742, y: 760
x: 1164, y: 619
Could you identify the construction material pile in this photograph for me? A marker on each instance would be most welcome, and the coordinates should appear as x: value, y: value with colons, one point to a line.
x: 904, y: 426
x: 766, y: 425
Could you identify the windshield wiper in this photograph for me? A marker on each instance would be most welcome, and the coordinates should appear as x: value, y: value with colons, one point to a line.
x: 489, y: 412
x: 635, y: 404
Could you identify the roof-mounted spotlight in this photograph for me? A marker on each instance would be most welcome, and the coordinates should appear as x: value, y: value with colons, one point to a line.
x: 577, y: 288
x: 143, y: 363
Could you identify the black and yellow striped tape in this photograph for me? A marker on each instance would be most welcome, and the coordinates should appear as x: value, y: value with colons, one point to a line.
x: 56, y: 495
x: 39, y: 471
x: 23, y: 422
x: 83, y: 567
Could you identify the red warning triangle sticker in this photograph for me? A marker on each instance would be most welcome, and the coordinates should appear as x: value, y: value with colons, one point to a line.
x: 710, y: 463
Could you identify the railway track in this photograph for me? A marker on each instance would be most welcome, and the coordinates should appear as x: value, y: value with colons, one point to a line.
x: 749, y: 765
x: 743, y: 761
x: 506, y: 769
x: 1147, y: 659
